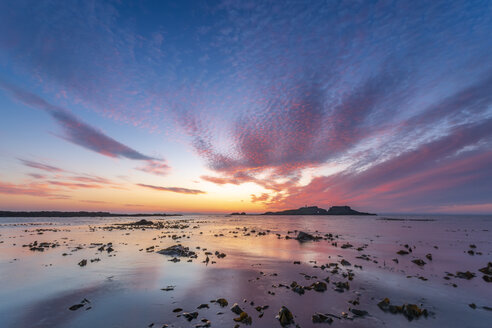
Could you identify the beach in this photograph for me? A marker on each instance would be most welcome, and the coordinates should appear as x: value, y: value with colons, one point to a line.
x: 252, y: 261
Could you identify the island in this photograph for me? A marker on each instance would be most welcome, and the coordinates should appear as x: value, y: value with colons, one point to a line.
x: 45, y: 214
x: 315, y: 210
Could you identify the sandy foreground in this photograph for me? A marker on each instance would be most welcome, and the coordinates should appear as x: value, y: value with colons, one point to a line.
x: 410, y: 271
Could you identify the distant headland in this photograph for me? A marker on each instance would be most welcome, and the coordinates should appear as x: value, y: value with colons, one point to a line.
x: 315, y: 210
x: 45, y: 214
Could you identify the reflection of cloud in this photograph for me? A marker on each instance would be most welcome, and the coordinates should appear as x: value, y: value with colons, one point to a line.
x: 173, y: 189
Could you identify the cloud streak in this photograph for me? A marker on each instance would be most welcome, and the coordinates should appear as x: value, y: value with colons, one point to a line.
x: 41, y: 166
x: 74, y: 130
x: 173, y: 189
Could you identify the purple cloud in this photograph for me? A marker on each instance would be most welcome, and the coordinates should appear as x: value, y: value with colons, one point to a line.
x: 41, y: 166
x: 75, y: 130
x: 173, y: 189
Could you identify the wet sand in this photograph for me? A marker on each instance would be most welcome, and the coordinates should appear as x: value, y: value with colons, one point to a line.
x: 132, y: 285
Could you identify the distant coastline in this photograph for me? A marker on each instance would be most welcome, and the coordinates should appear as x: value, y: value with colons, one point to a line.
x: 80, y: 214
x: 315, y: 210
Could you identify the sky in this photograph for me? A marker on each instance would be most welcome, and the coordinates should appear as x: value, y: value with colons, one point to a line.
x: 221, y: 106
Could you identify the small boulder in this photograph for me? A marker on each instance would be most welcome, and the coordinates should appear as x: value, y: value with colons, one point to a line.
x: 304, y: 236
x: 285, y: 317
x: 236, y: 309
x: 321, y: 318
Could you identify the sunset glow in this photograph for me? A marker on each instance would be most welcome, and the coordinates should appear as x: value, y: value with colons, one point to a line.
x: 216, y: 107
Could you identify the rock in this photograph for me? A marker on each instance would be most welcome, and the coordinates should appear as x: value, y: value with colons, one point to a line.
x: 75, y: 307
x: 190, y: 316
x: 429, y: 257
x: 419, y: 262
x: 177, y: 310
x: 340, y: 286
x: 359, y: 313
x: 297, y: 288
x: 82, y: 263
x: 345, y: 263
x: 319, y: 286
x: 487, y: 269
x: 402, y: 252
x: 177, y: 250
x: 487, y: 278
x: 222, y: 302
x: 236, y: 309
x: 202, y: 306
x: 143, y: 222
x: 244, y: 318
x: 384, y: 304
x: 465, y: 275
x: 285, y: 317
x: 321, y: 318
x: 472, y: 305
x: 410, y: 311
x: 303, y: 236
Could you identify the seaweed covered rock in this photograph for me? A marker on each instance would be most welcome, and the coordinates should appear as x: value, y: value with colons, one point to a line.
x: 285, y: 317
x: 244, y: 318
x: 304, y: 236
x: 410, y: 311
x: 321, y: 318
x: 177, y: 250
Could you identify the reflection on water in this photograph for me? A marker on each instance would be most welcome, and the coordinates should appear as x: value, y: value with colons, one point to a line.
x: 124, y: 287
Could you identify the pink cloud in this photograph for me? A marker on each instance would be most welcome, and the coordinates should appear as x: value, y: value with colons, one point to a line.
x: 173, y: 189
x: 155, y: 167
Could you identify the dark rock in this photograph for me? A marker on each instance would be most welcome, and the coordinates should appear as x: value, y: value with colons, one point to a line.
x: 321, y: 318
x: 465, y: 275
x: 143, y: 222
x: 75, y: 307
x: 177, y: 250
x: 410, y: 311
x: 419, y: 262
x: 384, y: 304
x: 190, y: 316
x: 222, y: 302
x: 345, y: 263
x: 82, y: 263
x: 359, y: 313
x: 319, y: 286
x: 487, y: 269
x: 303, y: 236
x: 297, y: 288
x: 285, y: 317
x: 236, y: 309
x: 244, y: 318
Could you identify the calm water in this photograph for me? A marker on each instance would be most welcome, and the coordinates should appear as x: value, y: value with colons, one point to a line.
x: 124, y: 287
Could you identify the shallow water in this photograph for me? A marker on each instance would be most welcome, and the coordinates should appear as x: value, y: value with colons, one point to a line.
x: 124, y: 287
